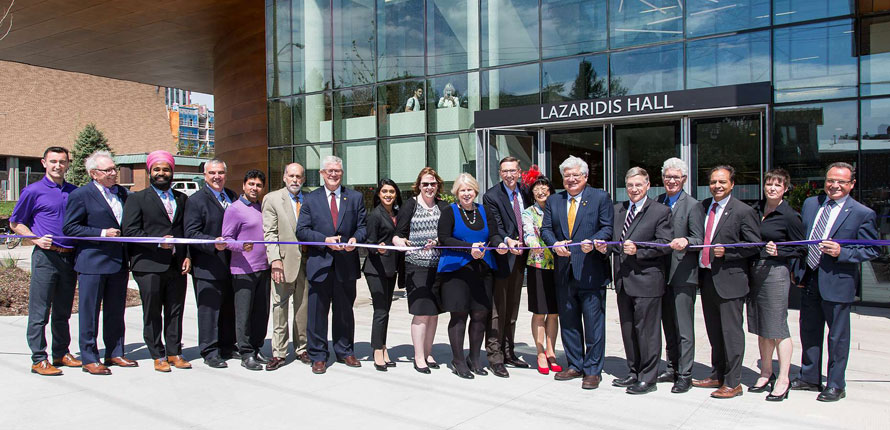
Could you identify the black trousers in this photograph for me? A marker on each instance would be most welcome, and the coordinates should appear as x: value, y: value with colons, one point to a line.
x: 815, y: 314
x: 252, y: 303
x: 216, y: 317
x: 336, y: 297
x: 678, y: 320
x: 640, y: 319
x: 723, y: 322
x: 381, y: 289
x: 51, y: 294
x: 163, y: 299
x: 501, y: 330
x: 107, y: 293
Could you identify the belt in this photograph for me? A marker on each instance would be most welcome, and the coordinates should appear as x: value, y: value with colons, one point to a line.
x: 59, y: 249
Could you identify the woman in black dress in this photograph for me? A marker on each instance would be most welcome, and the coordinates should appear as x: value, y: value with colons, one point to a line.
x: 382, y: 266
x: 465, y: 274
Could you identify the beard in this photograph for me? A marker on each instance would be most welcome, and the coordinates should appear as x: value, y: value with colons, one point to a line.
x: 161, y: 182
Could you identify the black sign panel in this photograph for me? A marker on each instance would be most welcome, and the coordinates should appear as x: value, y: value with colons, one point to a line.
x: 616, y: 107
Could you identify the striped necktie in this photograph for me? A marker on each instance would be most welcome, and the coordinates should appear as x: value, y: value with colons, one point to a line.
x: 630, y: 219
x: 814, y: 255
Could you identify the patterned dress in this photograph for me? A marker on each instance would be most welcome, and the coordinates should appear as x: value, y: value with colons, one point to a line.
x: 540, y: 280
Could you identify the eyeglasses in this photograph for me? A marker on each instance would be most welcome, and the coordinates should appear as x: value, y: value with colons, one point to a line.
x: 510, y: 171
x: 838, y: 182
x: 574, y: 176
x: 109, y: 170
x: 333, y: 172
x: 673, y: 178
x: 428, y: 184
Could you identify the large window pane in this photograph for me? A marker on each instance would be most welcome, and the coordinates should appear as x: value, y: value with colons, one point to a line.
x: 353, y: 42
x: 705, y: 17
x: 400, y: 108
x: 399, y: 39
x: 310, y: 45
x: 646, y: 146
x: 354, y: 114
x: 731, y: 140
x: 579, y: 78
x: 519, y: 145
x: 359, y: 162
x: 282, y: 58
x: 271, y: 58
x: 511, y: 86
x: 279, y: 158
x: 729, y: 60
x: 402, y: 159
x: 313, y: 117
x: 874, y: 64
x: 648, y: 70
x: 814, y: 61
x: 310, y: 156
x: 572, y: 27
x: 785, y: 11
x: 451, y: 155
x: 640, y: 22
x: 452, y: 35
x: 586, y: 144
x: 874, y: 187
x: 452, y: 100
x: 509, y: 31
x: 280, y: 112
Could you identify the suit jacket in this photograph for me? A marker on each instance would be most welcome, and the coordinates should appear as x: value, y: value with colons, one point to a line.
x: 382, y: 229
x: 315, y: 224
x: 738, y: 223
x: 593, y: 220
x: 280, y: 225
x: 688, y: 221
x: 203, y: 220
x: 642, y: 274
x: 86, y: 215
x: 838, y: 276
x: 497, y: 201
x: 145, y: 216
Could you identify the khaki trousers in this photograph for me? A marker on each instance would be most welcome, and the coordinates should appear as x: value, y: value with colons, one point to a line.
x: 281, y: 302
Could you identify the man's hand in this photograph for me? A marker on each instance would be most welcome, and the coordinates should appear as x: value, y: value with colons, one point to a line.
x: 561, y: 249
x: 381, y: 250
x: 220, y: 244
x: 830, y: 247
x: 334, y: 239
x: 586, y: 246
x: 167, y: 245
x: 186, y: 265
x: 600, y: 246
x: 502, y: 248
x: 350, y: 248
x: 719, y: 251
x: 112, y: 232
x: 772, y: 249
x: 679, y: 244
x: 630, y: 248
x: 247, y: 246
x: 44, y: 242
x: 278, y: 271
x: 513, y: 244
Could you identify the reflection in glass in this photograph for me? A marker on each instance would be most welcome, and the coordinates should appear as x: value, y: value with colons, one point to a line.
x: 572, y: 27
x: 279, y: 158
x: 873, y: 183
x: 271, y: 57
x: 451, y: 155
x: 785, y: 11
x: 282, y: 60
x: 578, y: 78
x: 452, y: 100
x: 733, y: 140
x: 400, y: 108
x: 585, y: 144
x: 874, y: 64
x: 313, y: 117
x: 399, y: 39
x: 511, y: 86
x: 521, y: 146
x: 705, y: 17
x: 359, y: 162
x: 310, y: 45
x: 401, y: 159
x: 638, y: 22
x: 814, y: 61
x: 354, y: 114
x: 452, y: 35
x: 646, y: 146
x: 648, y: 70
x: 875, y: 126
x: 280, y: 112
x: 509, y: 31
x: 353, y: 42
x: 310, y: 156
x: 728, y: 60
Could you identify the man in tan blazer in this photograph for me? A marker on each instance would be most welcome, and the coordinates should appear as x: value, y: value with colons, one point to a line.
x: 281, y: 209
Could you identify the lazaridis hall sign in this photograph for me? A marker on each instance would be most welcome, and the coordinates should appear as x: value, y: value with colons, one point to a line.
x: 615, y: 107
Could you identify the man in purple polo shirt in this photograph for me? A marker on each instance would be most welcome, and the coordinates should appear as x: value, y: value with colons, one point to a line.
x: 40, y: 211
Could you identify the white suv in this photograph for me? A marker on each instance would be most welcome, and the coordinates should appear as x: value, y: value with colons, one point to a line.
x: 188, y: 188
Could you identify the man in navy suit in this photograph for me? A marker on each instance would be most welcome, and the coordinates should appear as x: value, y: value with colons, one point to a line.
x: 580, y: 214
x: 829, y: 278
x: 96, y: 209
x: 332, y: 214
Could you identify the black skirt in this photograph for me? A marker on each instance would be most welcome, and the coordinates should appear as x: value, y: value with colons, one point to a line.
x: 466, y: 289
x: 541, y: 291
x: 419, y: 288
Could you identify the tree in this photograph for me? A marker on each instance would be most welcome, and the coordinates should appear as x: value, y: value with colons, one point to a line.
x: 88, y: 141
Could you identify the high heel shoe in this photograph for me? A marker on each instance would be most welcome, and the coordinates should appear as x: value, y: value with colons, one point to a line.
x: 390, y: 364
x: 461, y: 370
x: 771, y: 398
x: 765, y: 387
x: 424, y: 370
x: 380, y: 367
x: 432, y: 364
x: 554, y: 366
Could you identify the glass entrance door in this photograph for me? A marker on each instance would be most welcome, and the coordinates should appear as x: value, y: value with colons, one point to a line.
x: 586, y: 144
x: 643, y: 145
x: 732, y: 140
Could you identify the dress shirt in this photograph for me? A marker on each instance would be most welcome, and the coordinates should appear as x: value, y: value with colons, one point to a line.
x: 294, y: 198
x: 671, y: 201
x: 327, y: 194
x: 781, y: 225
x: 721, y: 205
x: 638, y: 207
x: 835, y: 212
x: 577, y: 200
x: 166, y: 195
x: 114, y: 202
x: 217, y: 193
x: 41, y: 207
x: 518, y: 194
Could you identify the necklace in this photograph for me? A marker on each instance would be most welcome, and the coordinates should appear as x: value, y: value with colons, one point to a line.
x: 473, y: 211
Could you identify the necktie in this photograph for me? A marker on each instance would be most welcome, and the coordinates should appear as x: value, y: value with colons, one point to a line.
x: 168, y: 205
x: 709, y: 230
x: 571, y: 218
x: 297, y: 209
x: 813, y: 254
x: 627, y: 221
x: 114, y: 204
x: 517, y: 212
x: 334, y: 211
x: 222, y: 200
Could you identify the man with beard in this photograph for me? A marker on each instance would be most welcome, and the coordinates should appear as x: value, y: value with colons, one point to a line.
x: 159, y: 269
x: 281, y: 210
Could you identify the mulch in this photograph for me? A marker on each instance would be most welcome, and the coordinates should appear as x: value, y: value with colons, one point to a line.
x: 14, y: 291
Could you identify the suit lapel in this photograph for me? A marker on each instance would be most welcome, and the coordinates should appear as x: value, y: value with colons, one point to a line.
x: 100, y: 199
x: 562, y: 213
x: 579, y: 210
x: 154, y: 197
x: 289, y: 208
x: 342, y: 207
x: 636, y: 220
x: 727, y: 210
x: 841, y: 217
x: 622, y: 216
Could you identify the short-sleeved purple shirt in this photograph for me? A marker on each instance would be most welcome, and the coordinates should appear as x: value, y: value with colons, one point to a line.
x: 41, y: 207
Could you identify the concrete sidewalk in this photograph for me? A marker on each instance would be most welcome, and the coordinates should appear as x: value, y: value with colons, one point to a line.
x: 402, y: 398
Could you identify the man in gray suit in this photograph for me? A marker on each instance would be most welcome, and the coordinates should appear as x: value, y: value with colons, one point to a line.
x: 281, y: 210
x: 678, y: 303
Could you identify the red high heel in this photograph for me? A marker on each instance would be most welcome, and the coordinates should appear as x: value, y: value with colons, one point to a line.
x: 542, y: 370
x: 554, y: 366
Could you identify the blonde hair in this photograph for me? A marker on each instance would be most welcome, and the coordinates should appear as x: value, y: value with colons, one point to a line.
x: 465, y: 179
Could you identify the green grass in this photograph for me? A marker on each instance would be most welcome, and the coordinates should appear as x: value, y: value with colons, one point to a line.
x: 6, y: 208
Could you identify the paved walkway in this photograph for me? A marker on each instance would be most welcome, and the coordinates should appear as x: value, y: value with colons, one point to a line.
x: 293, y: 397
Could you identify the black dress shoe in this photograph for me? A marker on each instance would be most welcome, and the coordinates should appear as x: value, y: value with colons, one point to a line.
x: 771, y: 398
x: 682, y: 384
x: 460, y: 369
x: 430, y: 364
x: 831, y: 394
x: 765, y: 387
x: 641, y: 388
x: 215, y: 362
x: 392, y: 364
x: 477, y: 369
x: 801, y: 385
x: 499, y: 370
x: 667, y: 376
x: 424, y: 370
x: 250, y: 363
x: 624, y: 382
x: 229, y: 355
x: 261, y: 358
x: 516, y: 362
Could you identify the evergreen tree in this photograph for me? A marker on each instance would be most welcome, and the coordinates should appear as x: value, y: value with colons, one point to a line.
x: 89, y: 140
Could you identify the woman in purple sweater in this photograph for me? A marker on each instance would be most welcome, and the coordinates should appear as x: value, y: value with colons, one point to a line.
x: 243, y: 221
